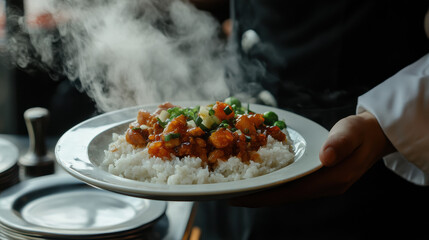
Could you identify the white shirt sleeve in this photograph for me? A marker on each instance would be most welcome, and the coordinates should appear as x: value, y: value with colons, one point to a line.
x: 401, y: 106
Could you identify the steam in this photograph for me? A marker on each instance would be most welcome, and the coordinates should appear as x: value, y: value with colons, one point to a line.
x: 126, y: 53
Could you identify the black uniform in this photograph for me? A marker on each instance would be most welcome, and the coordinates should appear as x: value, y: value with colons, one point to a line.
x: 319, y: 57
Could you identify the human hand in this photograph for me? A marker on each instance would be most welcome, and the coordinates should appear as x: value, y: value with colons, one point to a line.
x: 353, y: 145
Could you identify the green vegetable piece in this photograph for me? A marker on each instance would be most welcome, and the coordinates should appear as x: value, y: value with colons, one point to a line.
x: 227, y: 110
x: 204, y: 128
x: 174, y: 112
x: 192, y: 113
x: 161, y: 123
x: 270, y: 118
x: 240, y: 110
x: 280, y: 124
x: 171, y: 136
x: 196, y: 109
x: 211, y: 112
x: 233, y: 101
x: 214, y: 126
x: 198, y: 121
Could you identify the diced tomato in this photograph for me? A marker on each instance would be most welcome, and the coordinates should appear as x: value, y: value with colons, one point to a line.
x: 223, y: 111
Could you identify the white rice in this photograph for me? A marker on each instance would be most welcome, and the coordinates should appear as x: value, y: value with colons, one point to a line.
x: 123, y: 160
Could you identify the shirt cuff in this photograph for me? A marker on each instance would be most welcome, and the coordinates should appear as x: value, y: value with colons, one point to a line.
x: 404, y: 168
x: 401, y: 106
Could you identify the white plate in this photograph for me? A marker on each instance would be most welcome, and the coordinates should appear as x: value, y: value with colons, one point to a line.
x: 81, y: 150
x: 60, y: 206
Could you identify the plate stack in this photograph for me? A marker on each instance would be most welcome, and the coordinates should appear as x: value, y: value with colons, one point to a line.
x: 62, y: 207
x: 9, y: 170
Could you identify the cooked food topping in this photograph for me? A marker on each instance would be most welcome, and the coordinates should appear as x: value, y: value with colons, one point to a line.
x: 211, y: 132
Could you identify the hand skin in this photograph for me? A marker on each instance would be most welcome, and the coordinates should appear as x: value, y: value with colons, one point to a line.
x: 353, y: 145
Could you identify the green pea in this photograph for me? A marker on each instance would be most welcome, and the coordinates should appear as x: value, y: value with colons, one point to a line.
x: 233, y: 101
x: 270, y: 118
x: 280, y: 124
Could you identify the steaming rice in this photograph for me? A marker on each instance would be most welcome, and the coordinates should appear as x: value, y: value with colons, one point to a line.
x: 123, y: 160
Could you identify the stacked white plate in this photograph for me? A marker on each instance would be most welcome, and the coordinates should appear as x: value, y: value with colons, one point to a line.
x: 62, y: 207
x: 9, y: 170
